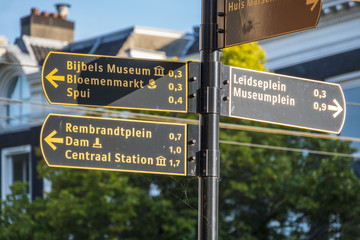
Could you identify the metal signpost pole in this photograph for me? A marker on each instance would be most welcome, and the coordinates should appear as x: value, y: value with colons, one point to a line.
x: 209, y: 124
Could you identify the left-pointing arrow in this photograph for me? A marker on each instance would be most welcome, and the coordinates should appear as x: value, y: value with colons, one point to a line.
x: 51, y: 78
x: 50, y: 140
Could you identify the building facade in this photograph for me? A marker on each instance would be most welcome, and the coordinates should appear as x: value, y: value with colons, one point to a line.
x: 23, y: 105
x: 330, y: 52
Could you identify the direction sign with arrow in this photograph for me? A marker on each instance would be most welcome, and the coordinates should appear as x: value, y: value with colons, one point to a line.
x: 51, y: 140
x: 337, y: 108
x: 51, y: 78
x: 92, y: 80
x: 313, y: 3
x: 252, y: 20
x: 118, y: 145
x: 283, y: 100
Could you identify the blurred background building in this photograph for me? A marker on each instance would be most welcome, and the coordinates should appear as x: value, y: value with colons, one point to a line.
x: 330, y: 52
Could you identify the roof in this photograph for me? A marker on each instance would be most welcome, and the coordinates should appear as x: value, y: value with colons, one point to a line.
x: 108, y: 44
x: 149, y: 39
x: 38, y: 48
x: 332, y: 6
x: 164, y: 43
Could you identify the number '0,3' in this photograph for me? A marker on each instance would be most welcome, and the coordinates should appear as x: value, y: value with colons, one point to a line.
x: 319, y: 93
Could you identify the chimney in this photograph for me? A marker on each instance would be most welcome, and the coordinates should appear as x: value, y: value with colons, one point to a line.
x: 35, y: 11
x: 63, y: 10
x: 45, y: 14
x: 49, y: 25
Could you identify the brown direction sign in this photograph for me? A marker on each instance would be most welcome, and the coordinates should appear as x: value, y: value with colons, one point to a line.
x: 92, y: 80
x: 118, y: 145
x: 252, y: 20
x: 283, y: 100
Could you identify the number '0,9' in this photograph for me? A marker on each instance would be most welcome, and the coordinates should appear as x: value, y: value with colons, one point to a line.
x: 320, y: 107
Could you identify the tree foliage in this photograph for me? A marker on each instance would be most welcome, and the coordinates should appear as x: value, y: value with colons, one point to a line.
x: 264, y: 193
x: 269, y: 194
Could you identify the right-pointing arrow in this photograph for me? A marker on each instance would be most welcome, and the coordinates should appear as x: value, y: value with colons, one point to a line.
x: 51, y: 78
x: 50, y: 140
x: 337, y: 108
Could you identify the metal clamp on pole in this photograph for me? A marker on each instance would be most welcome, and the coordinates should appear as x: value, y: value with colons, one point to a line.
x: 212, y: 94
x: 209, y: 123
x: 208, y: 168
x: 210, y: 103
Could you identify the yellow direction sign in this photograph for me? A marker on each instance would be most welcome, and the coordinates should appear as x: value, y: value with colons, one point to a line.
x: 118, y: 145
x: 50, y: 140
x: 92, y: 80
x: 51, y: 78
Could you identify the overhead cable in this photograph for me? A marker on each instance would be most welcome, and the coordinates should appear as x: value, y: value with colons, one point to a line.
x: 134, y: 115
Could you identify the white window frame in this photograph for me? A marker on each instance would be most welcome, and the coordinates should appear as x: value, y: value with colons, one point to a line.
x: 47, y: 186
x: 21, y: 106
x: 7, y: 171
x: 7, y: 75
x: 346, y: 80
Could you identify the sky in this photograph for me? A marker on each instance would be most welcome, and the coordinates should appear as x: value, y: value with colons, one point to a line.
x: 94, y: 17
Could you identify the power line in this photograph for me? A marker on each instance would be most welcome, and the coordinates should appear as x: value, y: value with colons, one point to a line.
x: 21, y: 119
x: 353, y: 104
x: 142, y: 116
x: 99, y: 111
x: 37, y: 66
x: 20, y: 65
x: 114, y: 113
x: 334, y: 154
x: 243, y: 144
x: 286, y: 132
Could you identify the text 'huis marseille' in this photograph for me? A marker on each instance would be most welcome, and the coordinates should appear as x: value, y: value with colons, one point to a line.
x: 241, y: 4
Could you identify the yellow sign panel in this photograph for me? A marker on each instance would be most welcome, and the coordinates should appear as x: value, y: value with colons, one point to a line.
x: 118, y: 145
x: 92, y: 80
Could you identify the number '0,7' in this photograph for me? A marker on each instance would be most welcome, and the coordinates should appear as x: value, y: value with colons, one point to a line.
x: 175, y: 137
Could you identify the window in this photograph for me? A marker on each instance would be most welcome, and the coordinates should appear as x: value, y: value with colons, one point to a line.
x: 350, y: 83
x: 351, y: 127
x: 18, y: 111
x: 15, y: 166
